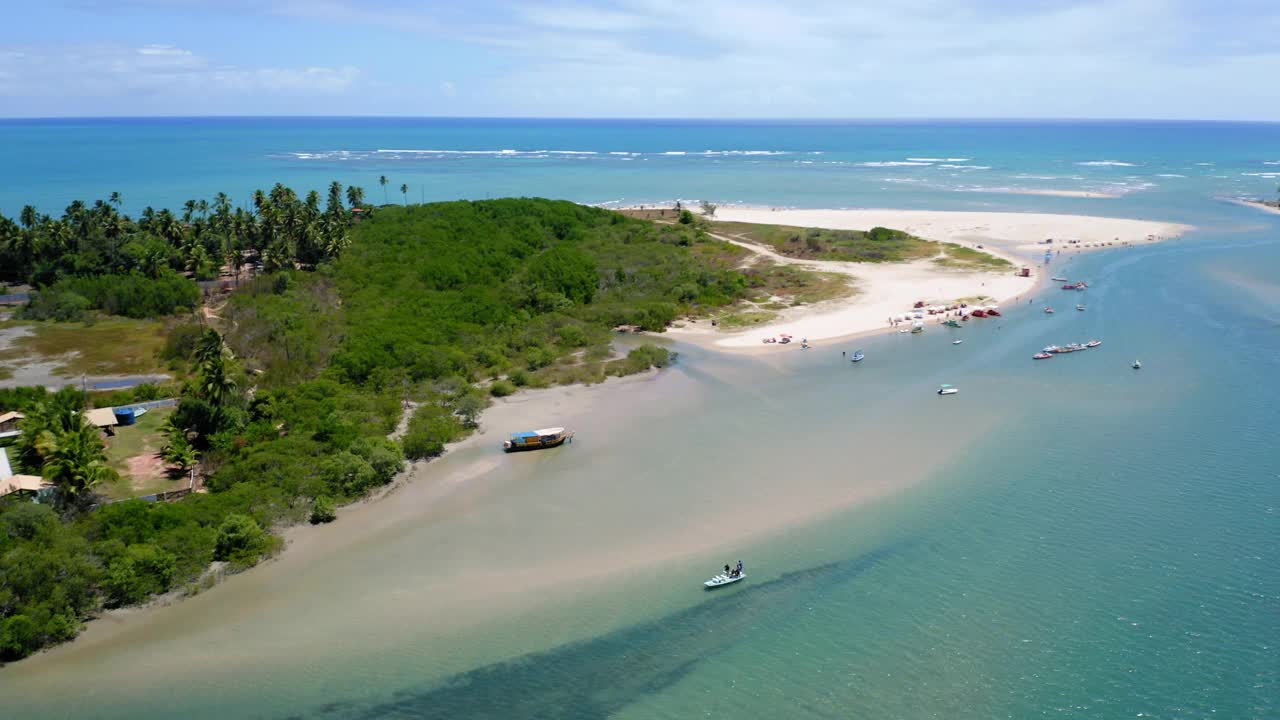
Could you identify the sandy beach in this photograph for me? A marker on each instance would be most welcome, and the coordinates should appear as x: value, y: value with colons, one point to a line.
x: 890, y: 289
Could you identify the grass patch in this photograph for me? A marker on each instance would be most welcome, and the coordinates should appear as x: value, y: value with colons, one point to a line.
x: 117, y: 346
x: 734, y: 321
x: 875, y: 245
x: 803, y: 286
x: 960, y: 257
x: 141, y: 438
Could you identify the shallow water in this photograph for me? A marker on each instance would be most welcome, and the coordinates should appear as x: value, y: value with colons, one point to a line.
x: 1064, y: 538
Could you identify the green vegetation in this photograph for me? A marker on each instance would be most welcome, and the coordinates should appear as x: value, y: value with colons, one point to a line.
x: 960, y: 257
x: 134, y: 295
x: 438, y: 307
x: 875, y: 245
x: 115, y: 346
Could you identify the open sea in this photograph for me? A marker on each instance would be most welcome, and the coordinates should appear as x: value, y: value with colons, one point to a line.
x: 1062, y: 539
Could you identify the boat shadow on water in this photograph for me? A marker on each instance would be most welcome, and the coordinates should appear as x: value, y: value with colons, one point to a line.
x: 598, y: 677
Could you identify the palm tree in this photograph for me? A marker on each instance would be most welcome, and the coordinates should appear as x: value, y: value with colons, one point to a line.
x: 115, y: 199
x: 382, y: 180
x: 404, y: 190
x: 74, y: 460
x: 355, y: 196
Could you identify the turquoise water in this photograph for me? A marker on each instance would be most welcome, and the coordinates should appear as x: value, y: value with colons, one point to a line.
x: 1083, y: 540
x: 932, y: 165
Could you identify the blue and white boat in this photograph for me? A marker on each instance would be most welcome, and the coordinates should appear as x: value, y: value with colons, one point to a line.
x: 857, y: 356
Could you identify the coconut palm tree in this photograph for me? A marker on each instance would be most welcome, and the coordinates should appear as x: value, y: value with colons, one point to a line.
x: 355, y: 196
x: 404, y: 190
x: 74, y: 460
x: 382, y: 180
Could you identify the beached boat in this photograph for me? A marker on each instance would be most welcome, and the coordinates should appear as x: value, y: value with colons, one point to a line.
x: 947, y: 390
x: 1042, y: 356
x: 1093, y: 343
x: 537, y: 439
x: 723, y: 579
x: 857, y: 356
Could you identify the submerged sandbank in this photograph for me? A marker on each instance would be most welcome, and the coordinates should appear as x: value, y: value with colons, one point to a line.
x: 890, y: 289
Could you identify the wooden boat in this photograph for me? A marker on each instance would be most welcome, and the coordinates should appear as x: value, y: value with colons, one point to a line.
x: 979, y: 313
x: 537, y: 439
x: 992, y: 312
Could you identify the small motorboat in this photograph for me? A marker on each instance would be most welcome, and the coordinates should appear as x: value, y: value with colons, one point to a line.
x: 721, y: 580
x: 1080, y: 308
x: 1051, y: 349
x: 956, y: 342
x: 1058, y: 279
x: 951, y: 323
x: 992, y: 312
x: 1042, y: 356
x: 537, y: 439
x: 784, y: 340
x: 1093, y: 343
x: 1137, y: 365
x: 857, y: 356
x: 947, y: 390
x: 1048, y: 311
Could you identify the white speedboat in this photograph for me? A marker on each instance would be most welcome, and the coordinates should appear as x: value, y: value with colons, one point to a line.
x: 1137, y: 365
x: 956, y: 342
x: 948, y: 390
x: 857, y: 356
x: 723, y: 579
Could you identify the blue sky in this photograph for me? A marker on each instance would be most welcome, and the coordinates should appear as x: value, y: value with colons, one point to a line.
x: 1194, y: 59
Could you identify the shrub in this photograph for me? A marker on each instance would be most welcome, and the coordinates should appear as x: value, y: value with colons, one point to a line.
x: 323, y: 510
x: 240, y: 540
x: 141, y: 571
x: 429, y: 429
x: 502, y: 388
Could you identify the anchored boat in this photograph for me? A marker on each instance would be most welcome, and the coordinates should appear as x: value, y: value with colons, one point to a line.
x: 947, y: 390
x: 537, y: 439
x: 857, y: 356
x: 1042, y: 356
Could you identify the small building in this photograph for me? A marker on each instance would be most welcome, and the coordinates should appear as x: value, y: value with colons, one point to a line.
x: 103, y: 418
x: 9, y: 424
x: 21, y: 485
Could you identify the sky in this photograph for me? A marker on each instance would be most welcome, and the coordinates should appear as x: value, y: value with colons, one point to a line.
x: 1172, y: 59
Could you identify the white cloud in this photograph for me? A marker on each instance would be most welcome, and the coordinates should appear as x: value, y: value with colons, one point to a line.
x: 155, y: 78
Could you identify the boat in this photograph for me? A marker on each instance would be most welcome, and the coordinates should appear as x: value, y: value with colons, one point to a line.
x: 951, y: 323
x: 956, y: 342
x: 979, y: 313
x: 1042, y: 356
x: 992, y: 312
x: 537, y: 439
x: 1093, y: 343
x: 857, y: 356
x: 1137, y: 365
x: 1068, y: 286
x: 721, y: 580
x: 1051, y: 349
x: 947, y: 390
x: 1048, y: 311
x: 1058, y: 279
x: 917, y: 330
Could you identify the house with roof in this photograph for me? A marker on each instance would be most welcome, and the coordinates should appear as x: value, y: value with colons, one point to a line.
x: 19, y: 485
x: 9, y: 424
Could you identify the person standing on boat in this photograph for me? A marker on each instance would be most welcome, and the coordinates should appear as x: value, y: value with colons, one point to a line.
x: 739, y: 567
x: 726, y: 570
